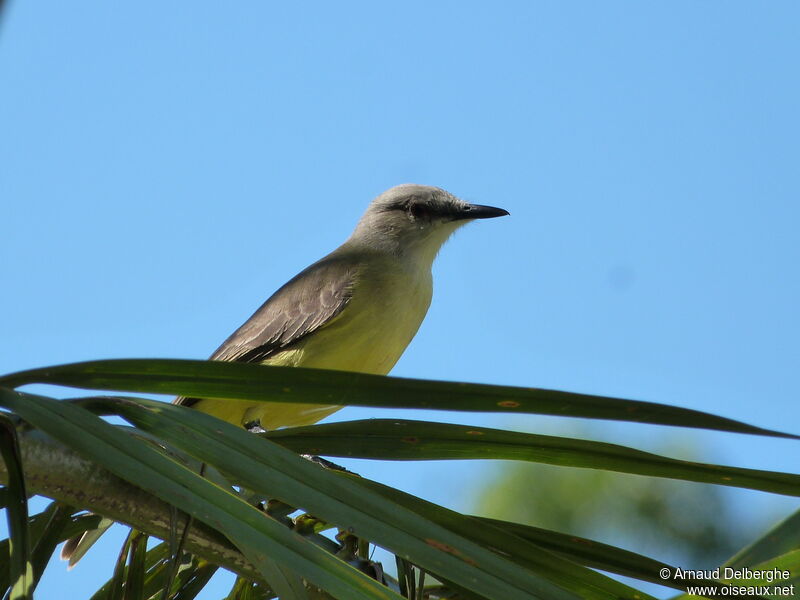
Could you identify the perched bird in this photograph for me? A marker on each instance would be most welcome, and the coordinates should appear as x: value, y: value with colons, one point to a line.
x: 355, y: 309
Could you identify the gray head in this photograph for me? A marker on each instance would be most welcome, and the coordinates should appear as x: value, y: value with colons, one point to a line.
x: 416, y: 219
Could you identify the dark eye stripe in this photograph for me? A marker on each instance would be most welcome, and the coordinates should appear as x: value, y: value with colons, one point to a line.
x: 413, y: 206
x: 419, y: 210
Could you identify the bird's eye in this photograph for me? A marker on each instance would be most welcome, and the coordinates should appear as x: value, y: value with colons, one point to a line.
x: 417, y: 210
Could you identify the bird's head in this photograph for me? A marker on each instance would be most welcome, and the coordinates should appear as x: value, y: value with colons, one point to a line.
x: 416, y: 219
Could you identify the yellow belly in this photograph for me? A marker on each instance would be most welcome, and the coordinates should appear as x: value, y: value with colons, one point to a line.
x: 369, y: 336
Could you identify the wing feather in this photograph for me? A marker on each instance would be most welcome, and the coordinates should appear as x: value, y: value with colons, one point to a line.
x: 306, y: 303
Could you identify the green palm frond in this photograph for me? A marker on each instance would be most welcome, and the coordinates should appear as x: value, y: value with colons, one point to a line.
x: 237, y: 495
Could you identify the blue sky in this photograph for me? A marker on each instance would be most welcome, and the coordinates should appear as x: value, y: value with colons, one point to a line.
x: 163, y: 168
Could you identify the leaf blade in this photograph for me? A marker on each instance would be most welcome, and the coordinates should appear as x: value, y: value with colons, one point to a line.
x: 219, y: 379
x: 398, y: 439
x: 134, y: 460
x: 21, y: 577
x: 440, y: 545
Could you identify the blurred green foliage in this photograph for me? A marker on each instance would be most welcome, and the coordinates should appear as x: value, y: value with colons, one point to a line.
x: 682, y: 522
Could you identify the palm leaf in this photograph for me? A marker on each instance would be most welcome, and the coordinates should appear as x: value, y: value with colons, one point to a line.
x: 218, y: 379
x: 395, y: 439
x: 470, y: 557
x: 20, y: 568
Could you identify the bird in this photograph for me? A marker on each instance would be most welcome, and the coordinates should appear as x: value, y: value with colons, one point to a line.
x: 356, y: 309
